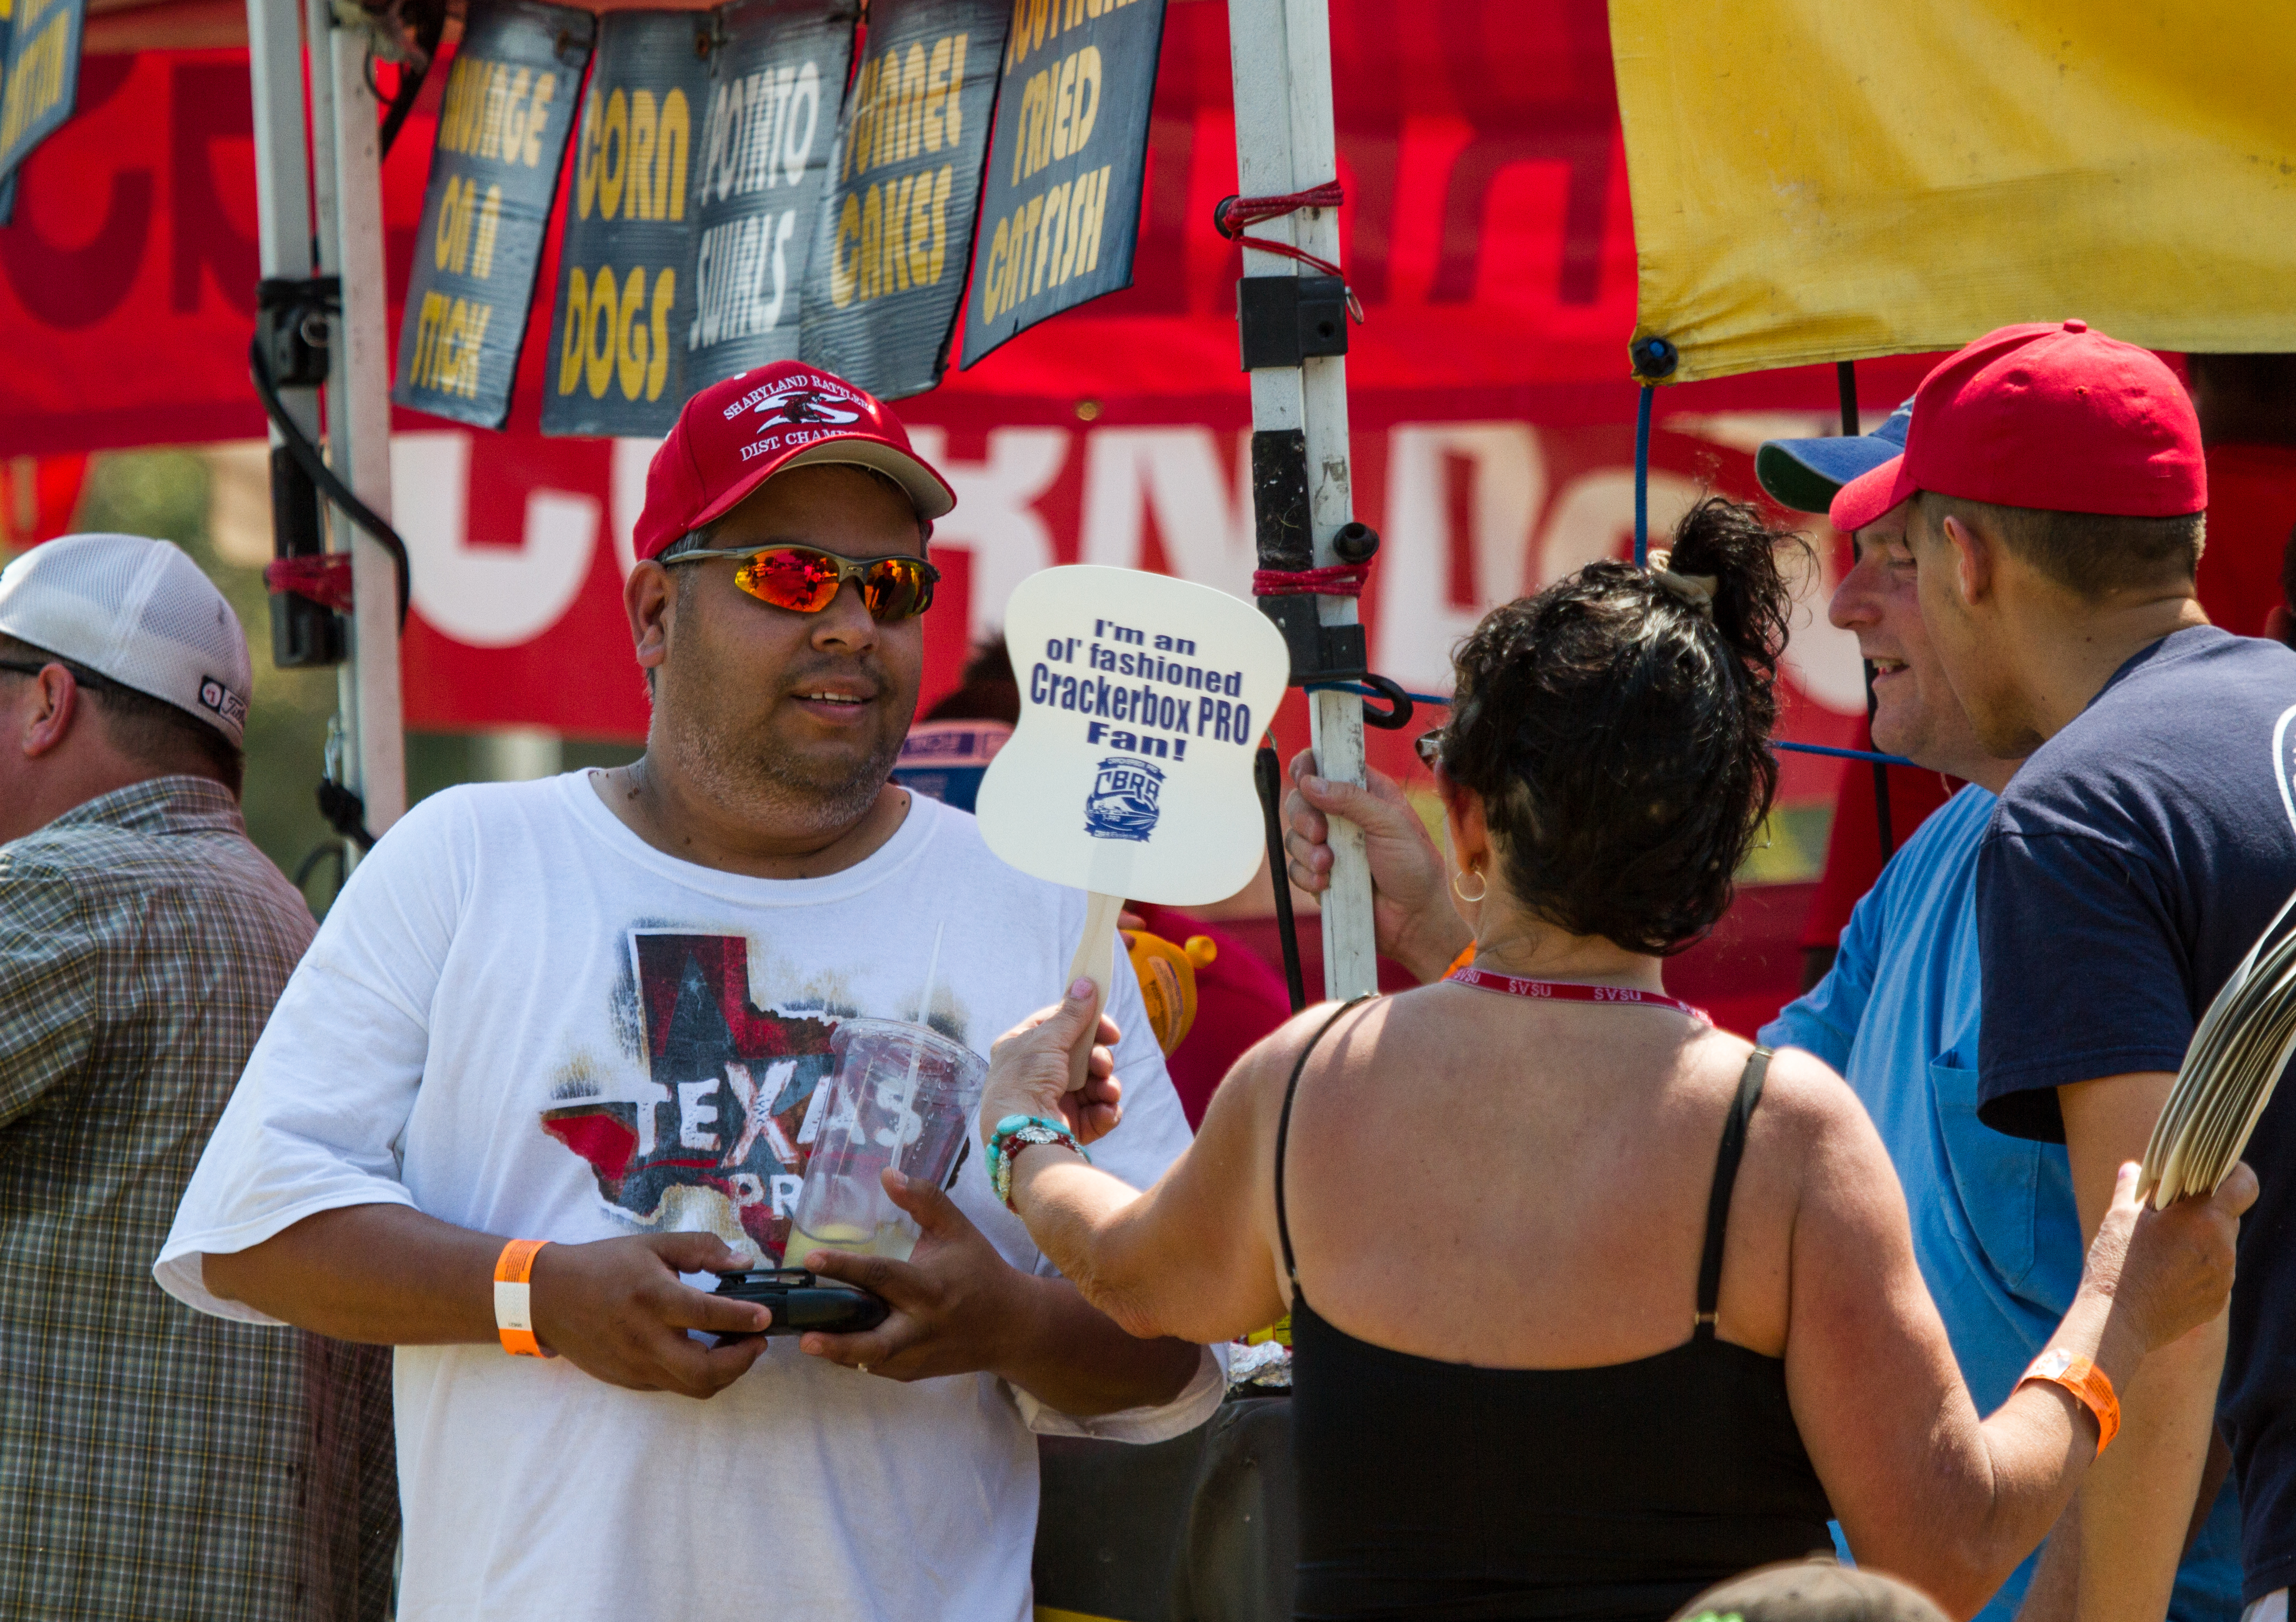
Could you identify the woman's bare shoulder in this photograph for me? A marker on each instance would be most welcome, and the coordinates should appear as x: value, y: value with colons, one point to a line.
x: 1804, y: 1102
x: 1805, y: 1085
x: 1820, y: 1135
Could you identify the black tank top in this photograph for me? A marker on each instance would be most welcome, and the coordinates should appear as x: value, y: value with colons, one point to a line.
x: 1432, y: 1489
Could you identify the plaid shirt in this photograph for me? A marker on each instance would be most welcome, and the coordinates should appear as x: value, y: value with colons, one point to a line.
x: 156, y: 1463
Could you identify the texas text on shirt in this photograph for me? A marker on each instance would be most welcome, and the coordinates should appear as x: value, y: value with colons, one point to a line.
x: 2130, y: 865
x: 1995, y: 1231
x: 522, y: 1018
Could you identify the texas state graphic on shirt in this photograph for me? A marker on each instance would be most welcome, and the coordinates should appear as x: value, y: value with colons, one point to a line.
x: 719, y: 1114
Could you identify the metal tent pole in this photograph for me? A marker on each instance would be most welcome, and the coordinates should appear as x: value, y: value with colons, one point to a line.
x: 342, y: 176
x: 347, y: 175
x: 1281, y: 56
x: 283, y: 202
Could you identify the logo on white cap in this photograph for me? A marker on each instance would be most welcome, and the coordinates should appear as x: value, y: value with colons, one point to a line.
x: 223, y: 700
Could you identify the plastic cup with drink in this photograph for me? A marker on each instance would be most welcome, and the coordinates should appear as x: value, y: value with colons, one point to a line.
x: 901, y: 1095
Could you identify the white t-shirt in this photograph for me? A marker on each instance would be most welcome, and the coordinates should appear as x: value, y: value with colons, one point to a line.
x: 520, y: 1017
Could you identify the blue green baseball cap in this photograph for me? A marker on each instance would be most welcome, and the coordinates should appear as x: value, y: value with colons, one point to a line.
x: 1803, y: 474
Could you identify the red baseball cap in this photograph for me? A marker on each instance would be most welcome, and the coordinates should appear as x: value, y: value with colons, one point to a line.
x: 734, y: 436
x: 2049, y: 416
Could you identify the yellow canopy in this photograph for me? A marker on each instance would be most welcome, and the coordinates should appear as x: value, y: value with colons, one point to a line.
x: 1821, y: 180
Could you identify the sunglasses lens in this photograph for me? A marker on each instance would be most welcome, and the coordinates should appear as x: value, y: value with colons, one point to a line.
x: 897, y: 589
x: 790, y: 577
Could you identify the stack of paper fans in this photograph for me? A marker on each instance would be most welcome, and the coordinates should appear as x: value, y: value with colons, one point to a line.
x: 2236, y: 1056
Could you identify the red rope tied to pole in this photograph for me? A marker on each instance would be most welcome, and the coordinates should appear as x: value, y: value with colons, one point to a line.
x: 1338, y: 580
x: 1234, y: 213
x: 324, y: 578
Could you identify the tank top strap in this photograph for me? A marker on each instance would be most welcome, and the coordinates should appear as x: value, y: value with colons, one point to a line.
x: 1725, y: 1176
x: 1284, y: 1133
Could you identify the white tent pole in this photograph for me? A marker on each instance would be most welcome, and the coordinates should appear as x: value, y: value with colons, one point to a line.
x: 274, y: 36
x: 1281, y: 55
x: 283, y: 202
x: 346, y: 182
x: 340, y: 171
x: 359, y: 412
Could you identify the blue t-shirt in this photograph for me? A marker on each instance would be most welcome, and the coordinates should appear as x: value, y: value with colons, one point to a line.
x: 1995, y: 1231
x: 2130, y: 865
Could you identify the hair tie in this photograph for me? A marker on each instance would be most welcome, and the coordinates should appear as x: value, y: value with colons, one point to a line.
x: 1696, y: 590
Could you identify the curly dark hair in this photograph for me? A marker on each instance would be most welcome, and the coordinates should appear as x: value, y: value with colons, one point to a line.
x: 1618, y: 733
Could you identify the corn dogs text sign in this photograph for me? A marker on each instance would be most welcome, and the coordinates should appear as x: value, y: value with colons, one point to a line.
x: 882, y: 291
x: 1061, y: 209
x: 625, y: 296
x: 503, y: 124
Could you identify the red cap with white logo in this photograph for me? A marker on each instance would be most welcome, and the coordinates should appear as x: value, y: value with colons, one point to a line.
x: 2050, y: 416
x: 734, y: 436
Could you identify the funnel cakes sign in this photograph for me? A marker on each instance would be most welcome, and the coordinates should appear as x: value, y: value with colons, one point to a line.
x: 1141, y: 699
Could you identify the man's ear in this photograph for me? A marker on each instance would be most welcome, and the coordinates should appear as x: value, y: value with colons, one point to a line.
x: 51, y: 708
x: 1971, y: 552
x: 650, y: 599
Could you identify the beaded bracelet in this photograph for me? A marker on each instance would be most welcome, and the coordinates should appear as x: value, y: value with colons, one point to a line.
x: 1015, y: 1133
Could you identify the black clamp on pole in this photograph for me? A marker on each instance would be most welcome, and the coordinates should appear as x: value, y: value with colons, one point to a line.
x: 293, y: 347
x: 1284, y: 320
x: 1281, y: 515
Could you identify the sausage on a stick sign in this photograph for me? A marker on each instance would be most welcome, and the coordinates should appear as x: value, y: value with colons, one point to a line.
x: 1143, y: 699
x: 502, y: 125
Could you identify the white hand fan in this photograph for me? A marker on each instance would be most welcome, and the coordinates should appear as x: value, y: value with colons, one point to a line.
x: 1141, y: 702
x: 2234, y: 1060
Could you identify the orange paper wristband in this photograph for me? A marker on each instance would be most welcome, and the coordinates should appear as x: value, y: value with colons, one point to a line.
x: 513, y: 1309
x: 2089, y: 1385
x: 1466, y: 959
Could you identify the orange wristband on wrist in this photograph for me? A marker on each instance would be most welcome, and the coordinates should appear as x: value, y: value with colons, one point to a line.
x: 513, y: 1309
x: 2089, y: 1385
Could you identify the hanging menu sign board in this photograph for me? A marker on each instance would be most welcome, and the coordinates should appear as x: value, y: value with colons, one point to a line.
x: 503, y: 123
x: 40, y: 50
x: 762, y: 165
x: 1061, y: 209
x: 625, y: 293
x: 888, y: 271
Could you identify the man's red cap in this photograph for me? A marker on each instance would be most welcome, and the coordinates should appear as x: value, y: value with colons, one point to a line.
x: 2048, y: 415
x: 734, y: 436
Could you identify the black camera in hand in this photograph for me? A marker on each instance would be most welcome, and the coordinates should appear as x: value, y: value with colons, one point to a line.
x: 799, y: 1302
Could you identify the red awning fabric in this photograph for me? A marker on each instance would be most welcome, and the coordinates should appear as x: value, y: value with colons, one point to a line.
x: 1487, y: 233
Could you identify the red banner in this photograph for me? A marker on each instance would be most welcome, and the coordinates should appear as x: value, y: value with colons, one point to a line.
x: 1485, y: 230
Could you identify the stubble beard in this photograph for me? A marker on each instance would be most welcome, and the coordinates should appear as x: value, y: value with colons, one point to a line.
x: 819, y: 796
x: 743, y: 766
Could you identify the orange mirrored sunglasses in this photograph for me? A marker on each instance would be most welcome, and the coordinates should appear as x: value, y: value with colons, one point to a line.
x: 806, y: 580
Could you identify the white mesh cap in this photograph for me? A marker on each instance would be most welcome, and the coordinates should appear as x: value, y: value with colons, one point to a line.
x: 139, y: 611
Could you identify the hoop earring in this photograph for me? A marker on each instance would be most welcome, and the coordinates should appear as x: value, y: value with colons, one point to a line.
x: 1461, y: 890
